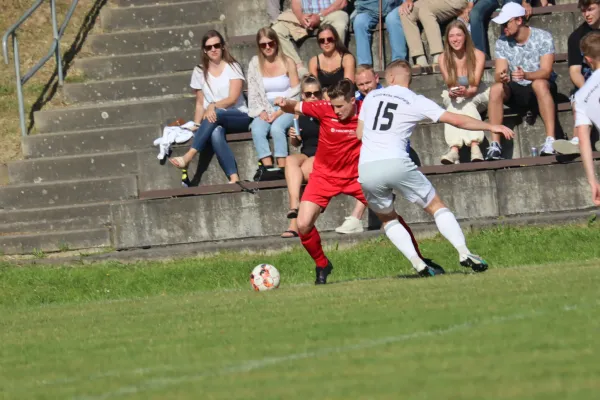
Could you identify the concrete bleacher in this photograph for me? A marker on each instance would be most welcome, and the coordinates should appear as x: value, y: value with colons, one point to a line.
x: 90, y: 177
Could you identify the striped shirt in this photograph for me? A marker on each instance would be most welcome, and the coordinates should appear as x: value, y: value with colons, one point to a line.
x: 315, y: 6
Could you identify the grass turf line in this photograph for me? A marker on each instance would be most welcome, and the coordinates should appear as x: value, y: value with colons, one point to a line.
x: 501, y: 247
x: 511, y: 333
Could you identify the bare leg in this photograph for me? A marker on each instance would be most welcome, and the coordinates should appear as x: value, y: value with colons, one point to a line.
x: 541, y: 87
x: 359, y: 210
x: 294, y: 177
x: 499, y: 93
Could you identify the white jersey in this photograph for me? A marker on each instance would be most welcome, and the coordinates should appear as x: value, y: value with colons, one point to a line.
x: 587, y: 102
x: 390, y: 116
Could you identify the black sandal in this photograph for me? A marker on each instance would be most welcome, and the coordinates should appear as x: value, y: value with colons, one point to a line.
x: 293, y: 213
x: 294, y: 234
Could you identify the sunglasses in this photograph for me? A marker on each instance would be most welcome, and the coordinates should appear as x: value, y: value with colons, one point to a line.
x: 271, y: 44
x: 325, y: 40
x: 318, y: 93
x: 216, y: 46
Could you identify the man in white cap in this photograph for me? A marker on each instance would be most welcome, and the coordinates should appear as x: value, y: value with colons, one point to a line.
x: 524, y: 75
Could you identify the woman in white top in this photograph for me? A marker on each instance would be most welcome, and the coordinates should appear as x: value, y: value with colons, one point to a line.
x: 218, y: 83
x: 271, y: 74
x: 461, y: 65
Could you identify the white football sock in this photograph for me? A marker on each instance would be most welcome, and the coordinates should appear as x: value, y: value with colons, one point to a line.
x: 400, y: 237
x: 450, y: 229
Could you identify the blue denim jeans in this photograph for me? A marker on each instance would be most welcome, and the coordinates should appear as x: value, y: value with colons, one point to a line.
x: 278, y: 129
x: 364, y: 24
x: 479, y: 19
x: 229, y: 121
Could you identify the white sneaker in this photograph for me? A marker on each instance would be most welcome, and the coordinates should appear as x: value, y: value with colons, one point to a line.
x: 566, y: 146
x: 350, y: 225
x: 547, y: 149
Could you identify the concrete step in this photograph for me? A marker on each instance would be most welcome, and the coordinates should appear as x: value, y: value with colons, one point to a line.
x: 129, y: 88
x: 65, y: 218
x: 471, y: 195
x: 427, y: 142
x: 159, y: 16
x: 99, y: 165
x: 90, y: 142
x: 55, y: 241
x: 560, y: 24
x: 141, y: 3
x: 171, y: 38
x: 159, y: 109
x: 136, y: 65
x: 60, y: 193
x: 115, y: 114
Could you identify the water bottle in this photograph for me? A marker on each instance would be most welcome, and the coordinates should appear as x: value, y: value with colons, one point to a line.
x: 534, y: 152
x: 297, y: 126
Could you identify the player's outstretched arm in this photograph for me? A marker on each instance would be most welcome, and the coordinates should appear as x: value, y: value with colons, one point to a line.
x: 288, y: 106
x: 359, y: 129
x: 585, y: 147
x: 472, y: 124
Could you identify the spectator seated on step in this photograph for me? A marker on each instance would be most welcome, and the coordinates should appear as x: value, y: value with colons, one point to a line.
x: 365, y: 19
x: 217, y: 82
x: 335, y: 62
x: 429, y: 13
x: 478, y: 14
x: 271, y: 74
x: 304, y: 18
x: 462, y: 67
x: 579, y: 70
x: 523, y: 74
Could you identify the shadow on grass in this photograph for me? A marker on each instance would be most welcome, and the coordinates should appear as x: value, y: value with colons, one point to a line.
x: 51, y: 87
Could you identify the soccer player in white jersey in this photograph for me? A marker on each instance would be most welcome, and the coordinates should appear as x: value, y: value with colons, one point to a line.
x: 386, y: 121
x: 587, y: 109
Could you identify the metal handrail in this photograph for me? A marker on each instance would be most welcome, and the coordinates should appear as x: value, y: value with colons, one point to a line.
x: 54, y: 50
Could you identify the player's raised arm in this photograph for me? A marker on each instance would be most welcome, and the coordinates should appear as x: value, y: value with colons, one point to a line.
x: 472, y: 124
x: 288, y: 106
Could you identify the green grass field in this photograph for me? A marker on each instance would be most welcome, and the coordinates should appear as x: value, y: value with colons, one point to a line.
x: 193, y: 329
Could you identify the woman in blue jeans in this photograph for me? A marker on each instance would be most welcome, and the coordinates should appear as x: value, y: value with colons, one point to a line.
x: 366, y: 19
x: 271, y: 74
x: 217, y: 83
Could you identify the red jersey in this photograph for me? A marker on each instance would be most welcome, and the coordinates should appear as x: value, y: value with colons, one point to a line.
x: 339, y: 148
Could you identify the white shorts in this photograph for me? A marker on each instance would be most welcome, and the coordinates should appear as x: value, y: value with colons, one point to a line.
x: 379, y: 178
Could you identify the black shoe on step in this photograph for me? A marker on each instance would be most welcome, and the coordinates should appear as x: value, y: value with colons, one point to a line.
x: 322, y: 273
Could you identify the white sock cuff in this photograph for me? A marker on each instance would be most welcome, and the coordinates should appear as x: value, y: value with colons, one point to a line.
x: 441, y: 211
x: 390, y: 225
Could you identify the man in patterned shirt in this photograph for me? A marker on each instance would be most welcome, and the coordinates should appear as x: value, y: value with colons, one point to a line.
x: 304, y: 19
x: 524, y: 75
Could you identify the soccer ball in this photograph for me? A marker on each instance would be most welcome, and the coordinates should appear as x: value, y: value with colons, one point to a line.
x: 264, y: 277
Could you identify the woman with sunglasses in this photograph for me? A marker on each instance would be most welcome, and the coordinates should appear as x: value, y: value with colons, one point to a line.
x: 217, y: 82
x: 335, y: 62
x: 271, y: 74
x: 299, y: 166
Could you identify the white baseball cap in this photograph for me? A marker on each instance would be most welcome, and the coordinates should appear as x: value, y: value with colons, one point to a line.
x: 509, y: 11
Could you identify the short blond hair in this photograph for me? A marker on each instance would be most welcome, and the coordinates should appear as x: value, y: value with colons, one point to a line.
x: 364, y: 68
x: 394, y: 66
x: 590, y: 45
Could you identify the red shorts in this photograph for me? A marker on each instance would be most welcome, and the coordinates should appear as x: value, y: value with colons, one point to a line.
x: 320, y: 190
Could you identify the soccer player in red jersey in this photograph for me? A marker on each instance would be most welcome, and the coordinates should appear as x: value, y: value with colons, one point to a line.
x: 335, y: 169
